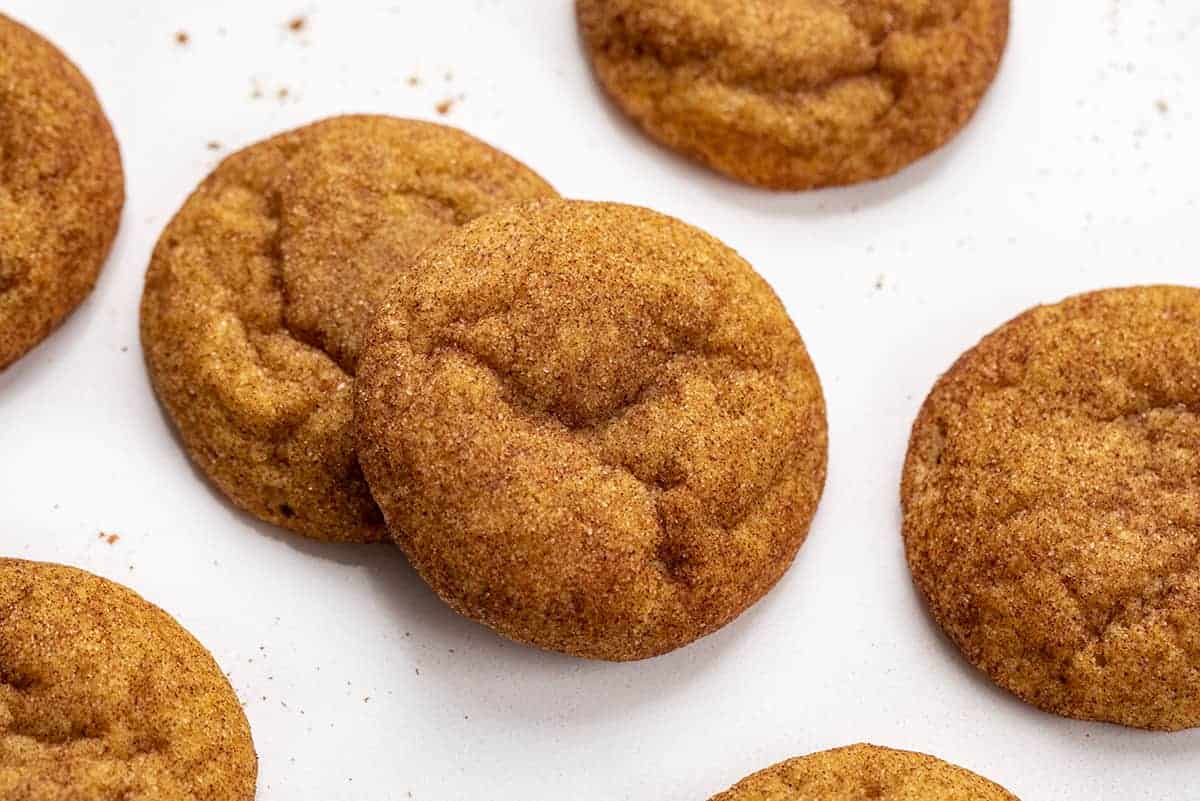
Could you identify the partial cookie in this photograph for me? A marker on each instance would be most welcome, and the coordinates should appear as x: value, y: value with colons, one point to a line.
x: 104, y: 697
x: 865, y: 773
x: 260, y: 289
x: 61, y: 189
x: 1052, y: 506
x: 591, y: 427
x: 797, y: 94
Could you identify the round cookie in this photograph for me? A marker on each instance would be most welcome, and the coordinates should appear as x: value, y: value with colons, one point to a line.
x: 61, y: 189
x: 104, y: 697
x: 797, y: 94
x: 591, y: 427
x: 260, y: 290
x: 865, y: 773
x: 1052, y: 506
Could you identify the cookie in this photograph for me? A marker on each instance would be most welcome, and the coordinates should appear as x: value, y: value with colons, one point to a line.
x: 105, y: 697
x: 865, y: 773
x: 797, y: 94
x: 1052, y: 506
x: 261, y: 288
x: 61, y: 189
x: 591, y: 427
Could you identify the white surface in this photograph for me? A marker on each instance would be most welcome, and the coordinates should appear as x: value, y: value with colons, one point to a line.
x: 1071, y: 178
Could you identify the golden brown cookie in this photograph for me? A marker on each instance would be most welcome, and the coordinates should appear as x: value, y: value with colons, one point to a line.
x: 865, y: 773
x: 797, y: 94
x: 61, y: 189
x: 1052, y: 506
x: 104, y: 697
x: 261, y: 287
x: 591, y: 427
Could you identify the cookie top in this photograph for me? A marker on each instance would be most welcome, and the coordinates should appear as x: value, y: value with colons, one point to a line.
x: 260, y: 289
x: 797, y: 94
x: 104, y: 697
x: 591, y: 427
x: 865, y: 773
x: 61, y: 189
x: 1052, y: 506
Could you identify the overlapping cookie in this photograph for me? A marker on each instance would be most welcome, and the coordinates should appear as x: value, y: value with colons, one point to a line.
x: 592, y: 427
x: 261, y: 288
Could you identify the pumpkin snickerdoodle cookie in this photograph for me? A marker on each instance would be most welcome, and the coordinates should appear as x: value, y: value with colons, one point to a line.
x: 1052, y: 506
x: 261, y: 287
x: 61, y: 189
x: 104, y: 697
x: 865, y: 773
x: 797, y: 94
x: 591, y: 427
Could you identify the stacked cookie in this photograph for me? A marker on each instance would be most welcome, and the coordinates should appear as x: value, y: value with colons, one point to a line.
x: 590, y: 426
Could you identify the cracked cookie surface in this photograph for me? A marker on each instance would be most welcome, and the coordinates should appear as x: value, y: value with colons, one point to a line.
x: 1052, y: 506
x: 260, y: 289
x: 865, y: 773
x: 61, y: 189
x: 797, y: 94
x: 104, y: 697
x: 591, y: 427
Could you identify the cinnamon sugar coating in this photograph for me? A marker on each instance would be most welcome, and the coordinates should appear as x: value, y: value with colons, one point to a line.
x: 61, y: 189
x: 865, y: 773
x: 104, y: 697
x: 1052, y: 506
x: 797, y: 94
x: 591, y: 427
x: 260, y: 289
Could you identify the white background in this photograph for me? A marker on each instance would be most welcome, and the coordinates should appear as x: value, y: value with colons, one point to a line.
x: 1079, y: 172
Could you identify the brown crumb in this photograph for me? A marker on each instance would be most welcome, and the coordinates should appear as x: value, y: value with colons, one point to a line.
x: 283, y: 92
x: 182, y: 38
x: 298, y: 24
x: 1162, y: 106
x: 214, y: 145
x: 446, y: 106
x: 111, y: 539
x: 414, y: 80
